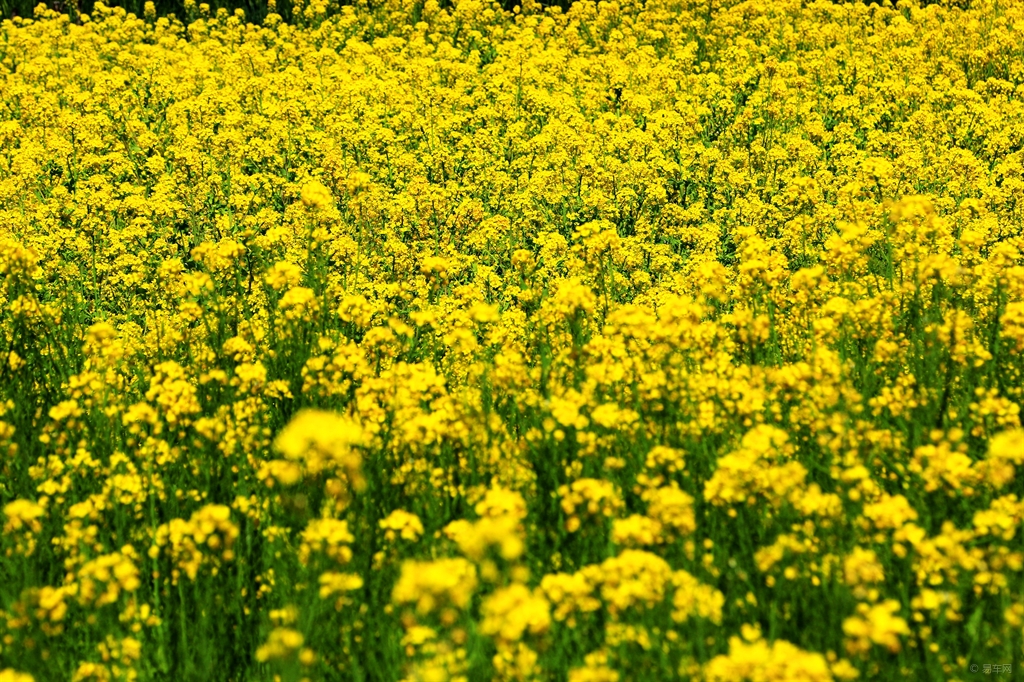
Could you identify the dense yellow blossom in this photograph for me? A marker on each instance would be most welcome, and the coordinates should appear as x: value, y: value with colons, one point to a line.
x: 431, y: 584
x: 464, y: 340
x: 11, y: 675
x: 775, y: 662
x: 405, y: 525
x: 511, y: 611
x: 875, y: 624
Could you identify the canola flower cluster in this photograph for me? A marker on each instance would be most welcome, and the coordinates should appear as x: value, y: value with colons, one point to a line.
x: 662, y: 340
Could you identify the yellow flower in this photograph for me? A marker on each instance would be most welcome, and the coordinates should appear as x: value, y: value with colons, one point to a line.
x: 315, y: 195
x: 281, y: 643
x: 210, y: 527
x: 862, y: 567
x: 283, y: 275
x: 431, y: 584
x: 672, y: 508
x: 511, y: 611
x: 102, y: 580
x: 636, y: 530
x: 11, y: 675
x: 692, y: 598
x: 23, y: 514
x: 569, y: 594
x: 324, y: 441
x: 633, y: 579
x: 875, y: 624
x: 589, y: 497
x: 338, y: 584
x: 408, y: 526
x: 595, y: 669
x: 1004, y: 458
x: 328, y: 536
x: 758, y: 661
x: 475, y: 539
x: 891, y: 511
x: 22, y: 524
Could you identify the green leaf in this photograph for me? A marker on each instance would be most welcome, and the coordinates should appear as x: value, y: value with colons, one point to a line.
x: 974, y: 624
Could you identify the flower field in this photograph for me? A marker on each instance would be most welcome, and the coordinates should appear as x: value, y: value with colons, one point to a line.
x: 630, y: 342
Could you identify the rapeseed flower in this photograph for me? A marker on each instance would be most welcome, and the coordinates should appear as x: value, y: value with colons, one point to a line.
x: 439, y: 341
